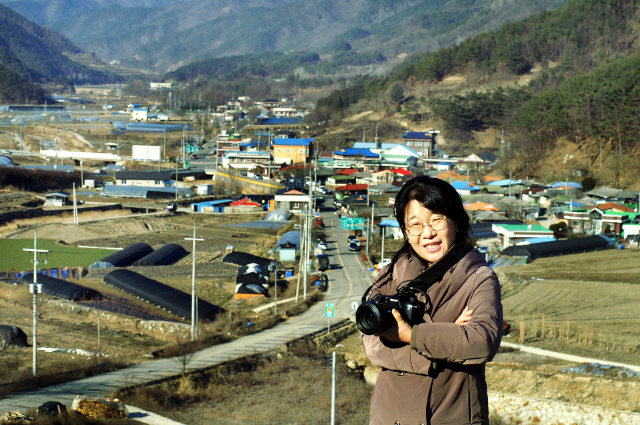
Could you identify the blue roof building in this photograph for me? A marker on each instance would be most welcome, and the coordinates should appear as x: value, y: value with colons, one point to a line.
x: 292, y: 151
x: 423, y: 142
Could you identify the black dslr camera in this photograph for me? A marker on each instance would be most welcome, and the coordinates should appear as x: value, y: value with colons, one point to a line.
x: 375, y: 315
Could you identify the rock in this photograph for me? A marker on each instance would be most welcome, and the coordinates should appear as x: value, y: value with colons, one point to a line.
x: 371, y: 374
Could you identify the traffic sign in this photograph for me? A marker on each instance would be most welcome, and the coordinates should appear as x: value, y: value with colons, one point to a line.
x: 351, y: 223
x: 329, y: 309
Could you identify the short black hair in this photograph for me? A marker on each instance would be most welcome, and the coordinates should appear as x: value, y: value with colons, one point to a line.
x: 437, y: 196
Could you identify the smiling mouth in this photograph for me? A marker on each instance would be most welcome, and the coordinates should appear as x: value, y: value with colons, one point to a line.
x: 433, y: 247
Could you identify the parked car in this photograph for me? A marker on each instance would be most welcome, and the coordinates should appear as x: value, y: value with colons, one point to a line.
x: 173, y: 207
x: 194, y: 156
x: 5, y: 152
x: 322, y: 244
x: 353, y: 246
x: 337, y: 203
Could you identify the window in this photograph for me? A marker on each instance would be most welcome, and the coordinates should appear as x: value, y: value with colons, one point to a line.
x: 124, y: 181
x: 300, y: 150
x: 409, y: 142
x: 286, y: 150
x: 279, y: 150
x: 418, y: 143
x: 157, y: 182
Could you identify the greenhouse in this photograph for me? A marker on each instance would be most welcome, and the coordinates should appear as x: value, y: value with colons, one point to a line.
x: 62, y: 289
x: 160, y: 295
x: 164, y: 256
x: 124, y: 258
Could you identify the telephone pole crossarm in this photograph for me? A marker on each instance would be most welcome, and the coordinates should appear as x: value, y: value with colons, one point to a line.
x: 34, y: 288
x: 193, y: 283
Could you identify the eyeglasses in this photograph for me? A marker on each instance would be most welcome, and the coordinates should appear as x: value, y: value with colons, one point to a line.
x: 436, y: 224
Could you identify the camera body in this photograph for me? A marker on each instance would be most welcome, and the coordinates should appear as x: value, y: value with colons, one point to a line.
x: 375, y: 315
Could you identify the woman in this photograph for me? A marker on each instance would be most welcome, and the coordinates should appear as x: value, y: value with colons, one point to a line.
x: 434, y: 372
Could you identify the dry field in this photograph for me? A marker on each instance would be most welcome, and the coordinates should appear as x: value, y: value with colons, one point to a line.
x: 584, y: 304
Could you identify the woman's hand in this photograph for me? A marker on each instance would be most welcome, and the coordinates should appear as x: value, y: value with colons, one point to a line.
x: 399, y: 333
x: 464, y: 317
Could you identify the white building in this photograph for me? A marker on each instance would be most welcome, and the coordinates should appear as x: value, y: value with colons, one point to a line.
x: 139, y: 114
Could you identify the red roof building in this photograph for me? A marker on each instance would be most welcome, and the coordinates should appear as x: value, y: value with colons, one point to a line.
x: 246, y: 202
x: 347, y: 172
x: 353, y: 188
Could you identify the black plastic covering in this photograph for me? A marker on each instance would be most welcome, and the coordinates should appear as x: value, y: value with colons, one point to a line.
x: 62, y: 289
x: 562, y: 247
x: 257, y: 278
x: 124, y: 258
x: 12, y: 337
x: 243, y: 259
x: 251, y: 288
x: 159, y: 294
x: 52, y: 408
x: 164, y: 256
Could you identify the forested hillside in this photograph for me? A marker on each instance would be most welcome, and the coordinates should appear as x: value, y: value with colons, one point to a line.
x: 587, y: 88
x: 32, y: 54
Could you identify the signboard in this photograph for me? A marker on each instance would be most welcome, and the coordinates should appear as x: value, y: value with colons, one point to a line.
x: 351, y: 223
x: 329, y: 309
x: 146, y: 153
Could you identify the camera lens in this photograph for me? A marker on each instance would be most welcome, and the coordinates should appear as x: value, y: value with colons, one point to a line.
x: 372, y: 317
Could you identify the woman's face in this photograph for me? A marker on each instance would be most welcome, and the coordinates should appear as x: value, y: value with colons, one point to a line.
x: 430, y: 245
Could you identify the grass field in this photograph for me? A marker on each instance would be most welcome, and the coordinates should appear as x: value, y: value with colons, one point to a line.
x: 13, y: 258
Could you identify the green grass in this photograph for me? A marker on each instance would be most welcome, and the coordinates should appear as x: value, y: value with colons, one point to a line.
x: 13, y: 258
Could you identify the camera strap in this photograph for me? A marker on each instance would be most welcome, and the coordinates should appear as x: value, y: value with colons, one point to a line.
x: 433, y: 274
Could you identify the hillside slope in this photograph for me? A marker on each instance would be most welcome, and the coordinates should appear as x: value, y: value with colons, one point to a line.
x: 46, y: 12
x: 30, y: 54
x: 184, y: 32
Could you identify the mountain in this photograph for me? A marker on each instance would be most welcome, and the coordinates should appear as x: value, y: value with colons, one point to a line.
x: 32, y: 54
x: 46, y: 12
x: 164, y: 38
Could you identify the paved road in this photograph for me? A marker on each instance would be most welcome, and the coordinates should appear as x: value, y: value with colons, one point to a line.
x: 568, y: 357
x: 347, y: 281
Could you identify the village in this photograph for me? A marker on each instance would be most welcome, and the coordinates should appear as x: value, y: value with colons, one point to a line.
x: 137, y: 187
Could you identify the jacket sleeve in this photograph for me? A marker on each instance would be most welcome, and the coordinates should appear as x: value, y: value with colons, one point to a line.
x: 395, y: 356
x: 391, y: 355
x: 473, y: 343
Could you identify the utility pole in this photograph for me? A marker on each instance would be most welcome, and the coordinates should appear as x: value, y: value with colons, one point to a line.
x: 306, y: 253
x: 382, y: 253
x: 34, y: 288
x: 193, y: 284
x: 75, y: 205
x: 368, y: 238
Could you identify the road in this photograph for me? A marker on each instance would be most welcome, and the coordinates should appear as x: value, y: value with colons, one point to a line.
x: 348, y: 279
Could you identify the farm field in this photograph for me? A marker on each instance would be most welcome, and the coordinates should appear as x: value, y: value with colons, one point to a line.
x: 12, y: 256
x: 585, y: 304
x: 124, y: 338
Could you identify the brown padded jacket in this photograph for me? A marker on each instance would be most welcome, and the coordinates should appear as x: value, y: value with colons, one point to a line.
x: 440, y: 378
